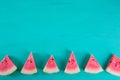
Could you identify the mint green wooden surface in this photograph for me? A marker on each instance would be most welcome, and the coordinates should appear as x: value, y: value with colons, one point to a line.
x: 57, y: 27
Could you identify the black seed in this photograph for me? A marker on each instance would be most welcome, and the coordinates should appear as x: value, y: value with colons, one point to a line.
x: 110, y: 61
x: 5, y: 61
x: 72, y: 60
x: 69, y: 61
x: 72, y: 63
x: 30, y: 61
x: 119, y: 62
x: 93, y: 59
x: 52, y: 59
x: 115, y: 65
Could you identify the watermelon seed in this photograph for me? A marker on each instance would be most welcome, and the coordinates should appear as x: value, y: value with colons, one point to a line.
x: 5, y: 61
x: 52, y: 59
x: 110, y: 61
x: 30, y: 61
x: 117, y: 64
x: 72, y: 61
x: 92, y: 59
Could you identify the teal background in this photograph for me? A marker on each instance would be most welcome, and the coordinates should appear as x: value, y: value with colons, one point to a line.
x: 58, y: 27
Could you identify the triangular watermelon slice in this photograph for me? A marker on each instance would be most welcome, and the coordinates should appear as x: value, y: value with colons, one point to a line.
x: 51, y: 66
x: 72, y: 66
x: 7, y: 66
x: 93, y: 66
x: 114, y: 66
x: 29, y: 66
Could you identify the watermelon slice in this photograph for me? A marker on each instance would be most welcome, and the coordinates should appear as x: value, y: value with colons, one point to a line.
x: 29, y: 66
x: 93, y: 66
x: 72, y: 66
x: 7, y: 66
x: 51, y: 66
x: 114, y: 66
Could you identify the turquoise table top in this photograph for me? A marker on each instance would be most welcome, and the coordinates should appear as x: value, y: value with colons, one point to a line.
x: 58, y: 27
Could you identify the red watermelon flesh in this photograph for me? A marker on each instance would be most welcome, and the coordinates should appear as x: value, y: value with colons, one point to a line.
x: 114, y: 66
x: 29, y: 66
x: 51, y: 66
x: 7, y: 66
x: 93, y: 66
x: 72, y: 66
